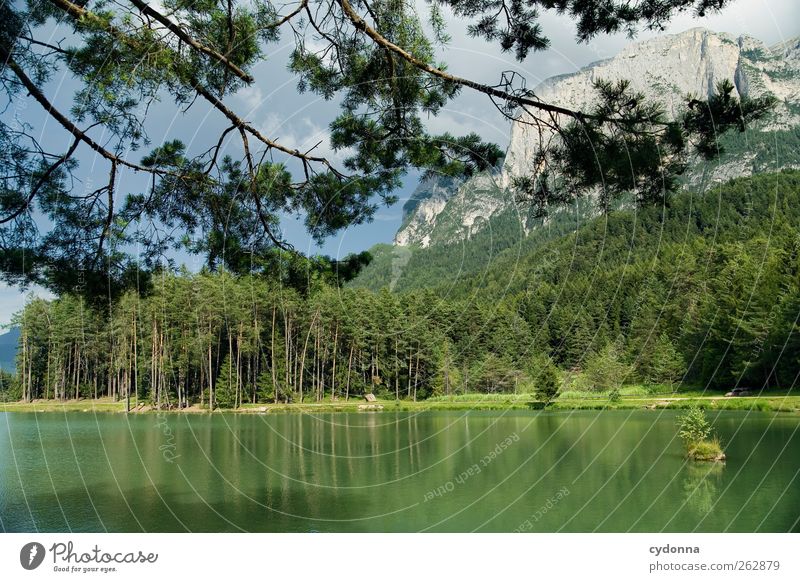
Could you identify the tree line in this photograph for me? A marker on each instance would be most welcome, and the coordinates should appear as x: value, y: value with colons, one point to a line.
x: 216, y: 339
x: 706, y: 292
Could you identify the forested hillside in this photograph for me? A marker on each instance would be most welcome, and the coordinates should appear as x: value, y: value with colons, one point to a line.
x: 404, y: 268
x: 716, y: 275
x: 706, y: 291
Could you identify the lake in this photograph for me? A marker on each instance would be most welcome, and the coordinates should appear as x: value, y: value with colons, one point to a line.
x: 432, y: 471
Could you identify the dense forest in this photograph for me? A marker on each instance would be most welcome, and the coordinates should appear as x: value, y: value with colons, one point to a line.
x: 704, y: 292
x: 515, y: 229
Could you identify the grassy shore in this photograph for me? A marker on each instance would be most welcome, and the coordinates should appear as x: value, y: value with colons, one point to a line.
x: 631, y: 397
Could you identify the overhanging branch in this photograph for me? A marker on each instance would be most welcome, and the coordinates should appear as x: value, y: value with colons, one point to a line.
x: 78, y: 133
x: 181, y: 34
x: 360, y: 24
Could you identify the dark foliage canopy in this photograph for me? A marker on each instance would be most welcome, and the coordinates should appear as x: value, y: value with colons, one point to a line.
x: 375, y: 58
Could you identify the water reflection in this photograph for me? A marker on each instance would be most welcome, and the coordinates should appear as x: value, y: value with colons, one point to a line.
x: 624, y: 471
x: 701, y: 485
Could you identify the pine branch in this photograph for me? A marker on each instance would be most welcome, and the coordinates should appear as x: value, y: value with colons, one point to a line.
x: 360, y: 24
x: 62, y: 119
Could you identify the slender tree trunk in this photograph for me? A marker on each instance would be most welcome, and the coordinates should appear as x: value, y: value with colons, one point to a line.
x: 77, y: 370
x: 49, y: 357
x: 135, y: 362
x: 333, y: 369
x: 230, y: 364
x: 315, y: 368
x: 416, y: 373
x: 287, y: 363
x: 210, y: 372
x: 238, y: 398
x: 410, y: 360
x: 303, y: 357
x: 272, y: 357
x: 153, y: 365
x: 377, y: 376
x: 349, y: 369
x: 24, y: 365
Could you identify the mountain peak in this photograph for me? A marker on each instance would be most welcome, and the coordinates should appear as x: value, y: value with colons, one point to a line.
x: 667, y: 68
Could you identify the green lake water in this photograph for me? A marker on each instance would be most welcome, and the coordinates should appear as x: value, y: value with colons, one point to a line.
x: 434, y: 471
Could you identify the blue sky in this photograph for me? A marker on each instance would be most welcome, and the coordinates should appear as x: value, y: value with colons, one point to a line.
x: 273, y: 105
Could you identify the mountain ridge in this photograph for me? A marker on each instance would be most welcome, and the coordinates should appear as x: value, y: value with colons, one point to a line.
x: 669, y: 67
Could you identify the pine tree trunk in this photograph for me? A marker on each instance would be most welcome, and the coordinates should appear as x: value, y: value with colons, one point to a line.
x: 286, y: 360
x: 416, y: 373
x: 135, y: 362
x: 272, y: 357
x: 410, y: 360
x: 238, y: 399
x: 77, y: 371
x: 349, y: 369
x: 303, y: 357
x: 24, y: 366
x: 333, y: 370
x: 210, y: 372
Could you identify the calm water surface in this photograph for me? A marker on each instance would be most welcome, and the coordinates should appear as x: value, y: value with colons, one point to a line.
x: 437, y: 471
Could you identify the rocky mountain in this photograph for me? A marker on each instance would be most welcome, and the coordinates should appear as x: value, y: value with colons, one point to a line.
x: 442, y: 210
x: 669, y: 68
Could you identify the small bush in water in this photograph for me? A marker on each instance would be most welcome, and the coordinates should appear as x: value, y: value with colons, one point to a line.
x: 696, y: 433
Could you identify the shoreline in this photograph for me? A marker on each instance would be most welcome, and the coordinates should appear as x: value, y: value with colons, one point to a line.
x: 777, y: 403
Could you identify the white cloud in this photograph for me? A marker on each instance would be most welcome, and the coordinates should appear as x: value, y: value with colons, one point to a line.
x: 252, y: 96
x: 303, y: 134
x: 387, y: 217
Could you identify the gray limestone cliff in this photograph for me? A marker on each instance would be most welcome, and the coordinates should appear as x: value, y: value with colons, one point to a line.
x: 668, y: 68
